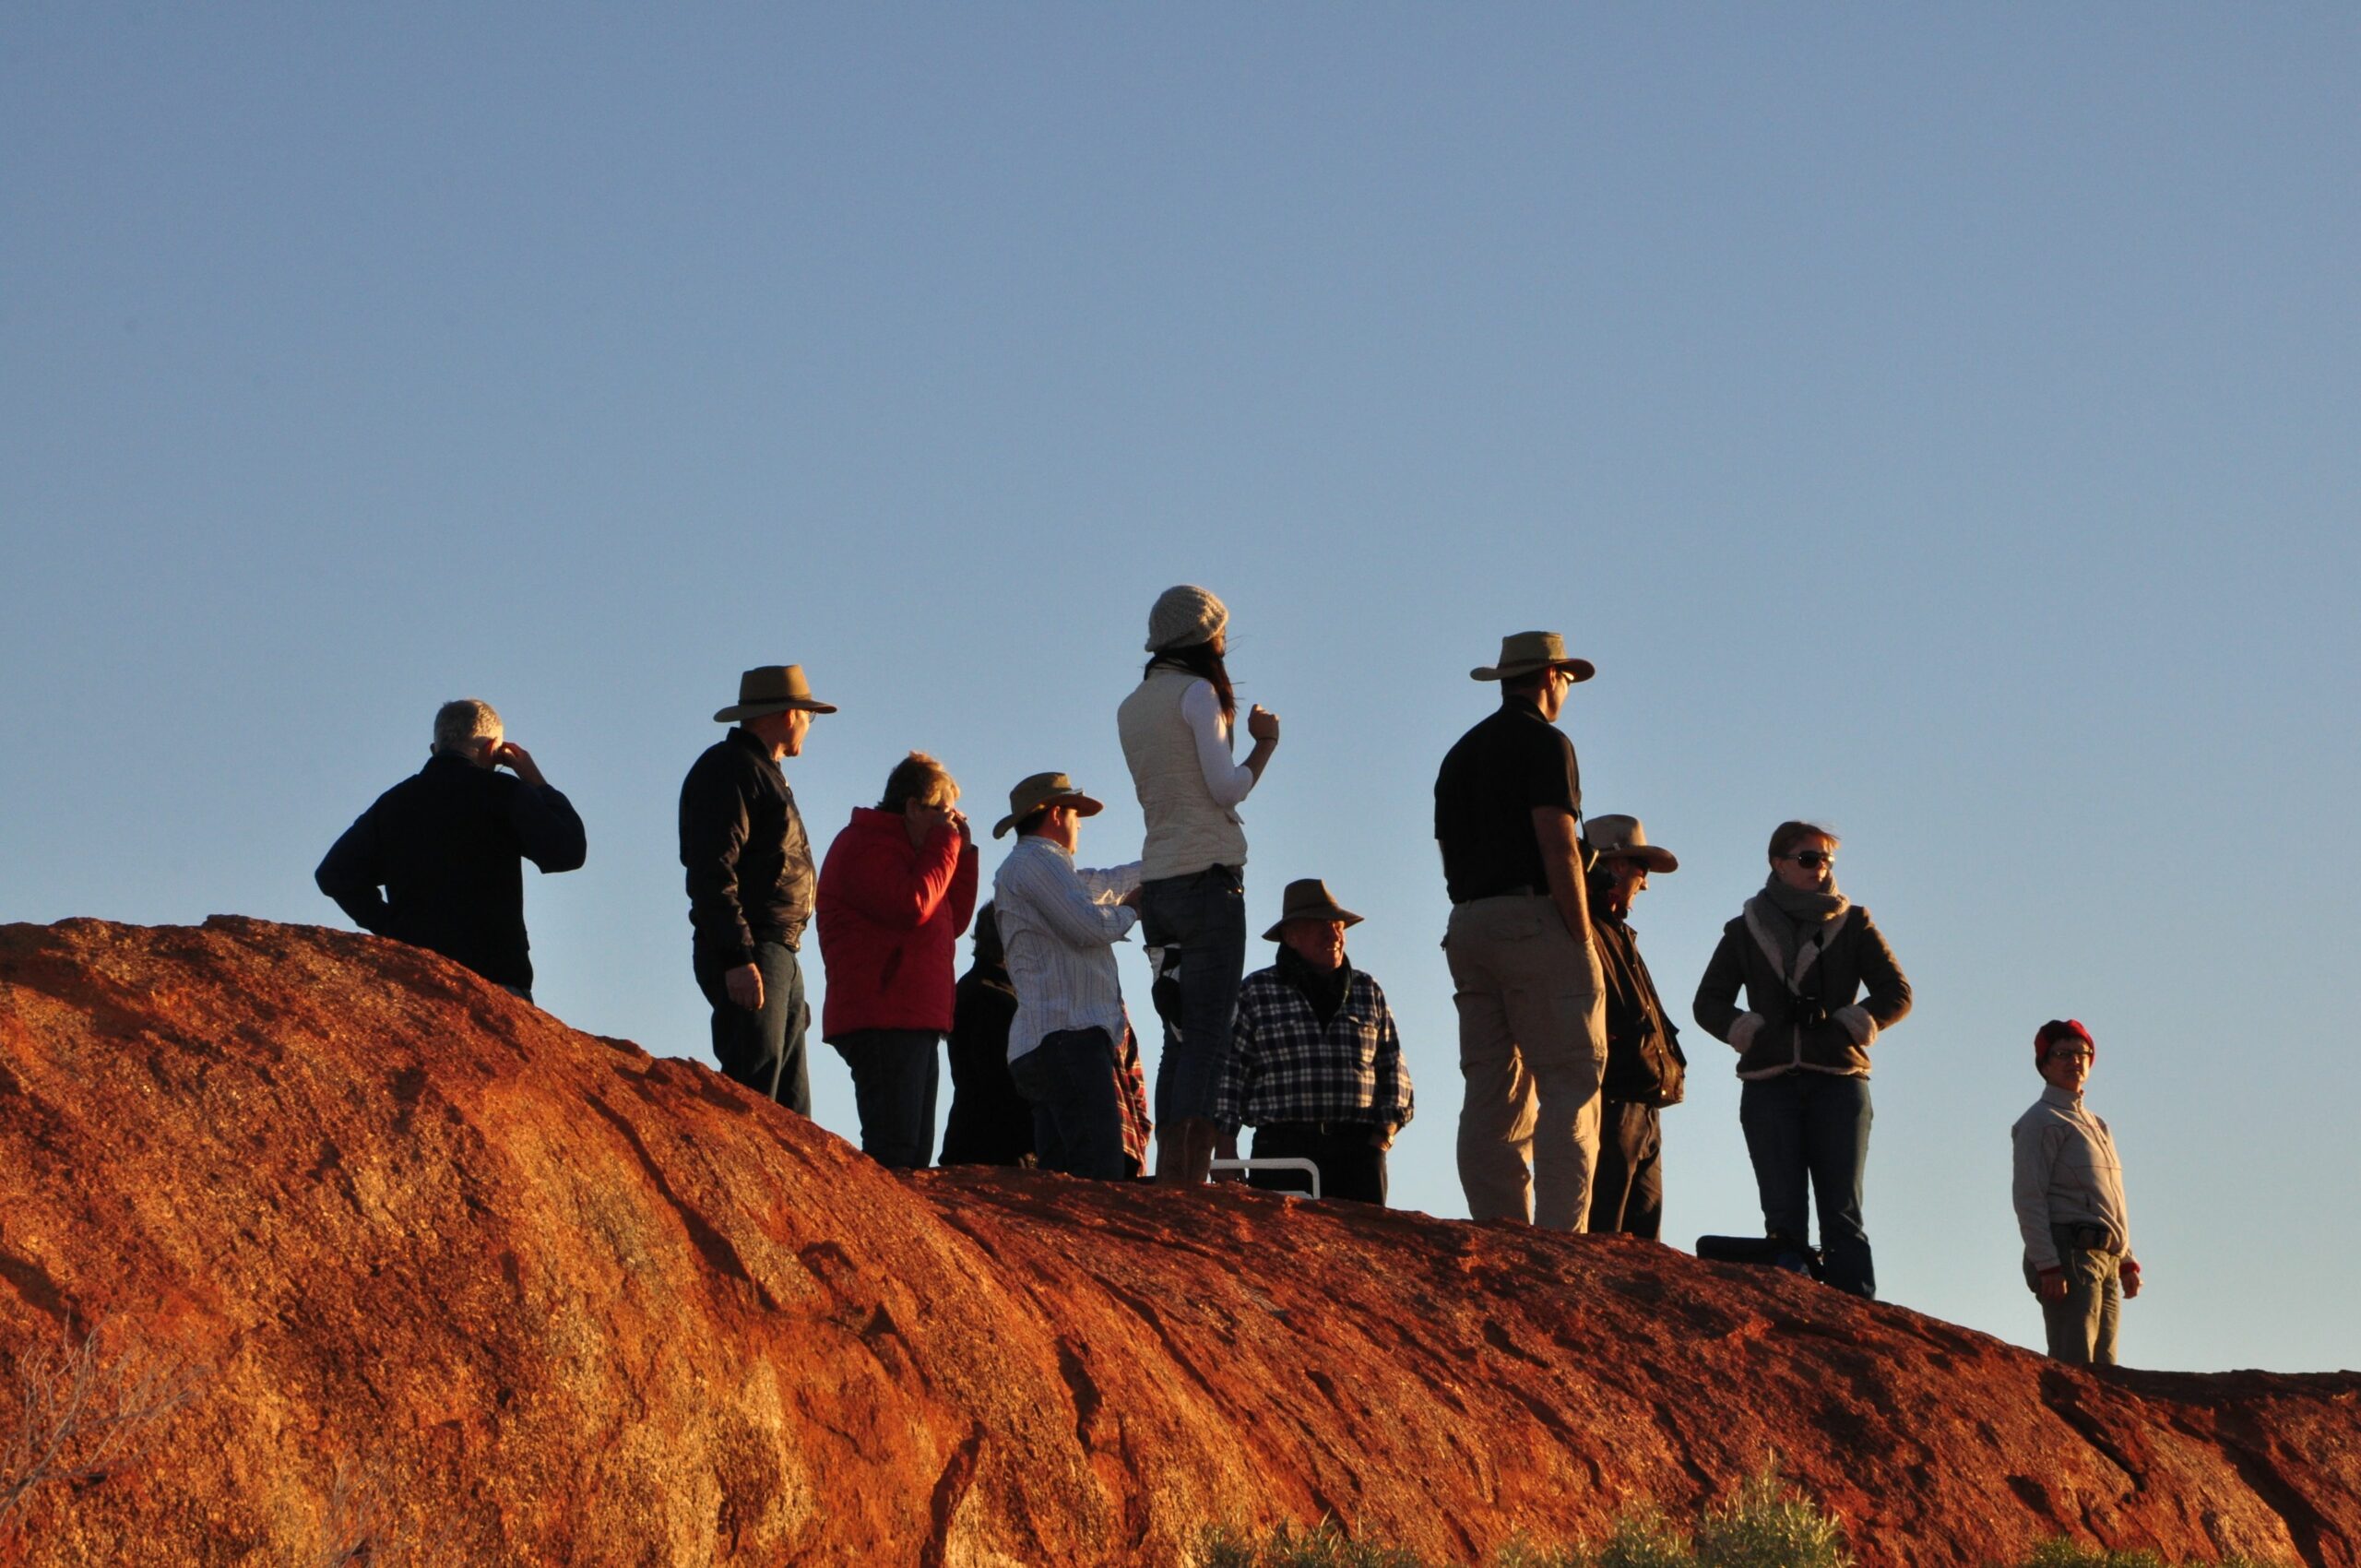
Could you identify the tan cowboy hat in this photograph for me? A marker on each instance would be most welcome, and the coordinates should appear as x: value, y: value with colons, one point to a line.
x: 1307, y: 899
x: 774, y: 688
x: 1625, y: 839
x: 1044, y: 790
x: 1522, y: 653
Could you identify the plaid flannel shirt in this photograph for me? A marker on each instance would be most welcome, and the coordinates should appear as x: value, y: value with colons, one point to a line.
x: 1131, y: 1083
x: 1285, y: 1066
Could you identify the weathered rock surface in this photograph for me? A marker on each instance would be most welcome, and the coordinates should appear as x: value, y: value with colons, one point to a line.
x: 475, y: 1286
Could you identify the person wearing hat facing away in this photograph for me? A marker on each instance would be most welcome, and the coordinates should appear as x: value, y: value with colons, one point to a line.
x: 896, y: 888
x: 2068, y: 1191
x: 1058, y: 928
x: 1803, y: 952
x: 1645, y: 1069
x: 1177, y: 735
x: 444, y: 846
x: 751, y: 884
x: 1524, y: 962
x: 1315, y: 1066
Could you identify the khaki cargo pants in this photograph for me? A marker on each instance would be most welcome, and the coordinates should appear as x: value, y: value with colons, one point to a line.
x: 1532, y: 1047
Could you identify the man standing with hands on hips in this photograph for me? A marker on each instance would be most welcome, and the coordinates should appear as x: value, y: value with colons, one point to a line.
x: 751, y: 884
x: 1532, y: 1017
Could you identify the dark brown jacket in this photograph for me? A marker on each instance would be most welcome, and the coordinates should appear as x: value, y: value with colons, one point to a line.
x: 1644, y: 1062
x: 1808, y: 1020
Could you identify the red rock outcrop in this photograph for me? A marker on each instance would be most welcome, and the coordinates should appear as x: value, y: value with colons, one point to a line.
x: 470, y: 1283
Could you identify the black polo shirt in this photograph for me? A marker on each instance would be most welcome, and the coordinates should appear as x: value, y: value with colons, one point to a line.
x: 1485, y: 796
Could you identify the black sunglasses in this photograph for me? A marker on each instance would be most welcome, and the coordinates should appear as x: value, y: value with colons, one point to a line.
x: 1812, y: 860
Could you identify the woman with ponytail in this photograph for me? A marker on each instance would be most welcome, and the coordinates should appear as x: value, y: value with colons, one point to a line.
x: 1179, y: 730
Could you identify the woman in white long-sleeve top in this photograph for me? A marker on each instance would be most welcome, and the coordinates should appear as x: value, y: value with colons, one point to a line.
x: 1178, y: 737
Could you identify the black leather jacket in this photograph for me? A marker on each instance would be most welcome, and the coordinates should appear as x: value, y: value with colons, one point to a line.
x: 743, y: 844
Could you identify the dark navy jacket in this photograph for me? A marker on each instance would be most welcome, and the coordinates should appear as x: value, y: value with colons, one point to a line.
x: 437, y: 863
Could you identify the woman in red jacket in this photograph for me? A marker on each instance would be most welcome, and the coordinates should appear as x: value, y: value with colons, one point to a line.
x: 896, y: 889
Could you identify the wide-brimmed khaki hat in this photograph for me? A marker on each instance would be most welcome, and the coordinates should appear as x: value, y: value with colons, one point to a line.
x: 774, y: 688
x: 1522, y: 653
x: 1044, y: 790
x: 1623, y: 837
x: 1307, y: 899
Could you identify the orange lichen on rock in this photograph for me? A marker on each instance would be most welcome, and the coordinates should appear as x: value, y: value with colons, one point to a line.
x: 464, y: 1281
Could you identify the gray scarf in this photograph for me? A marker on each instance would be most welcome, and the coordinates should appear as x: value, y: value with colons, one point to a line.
x: 1794, y: 926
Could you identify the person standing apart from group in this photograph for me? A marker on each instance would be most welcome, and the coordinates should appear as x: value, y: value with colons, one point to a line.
x: 435, y: 861
x: 1803, y: 952
x: 1316, y: 1067
x: 896, y: 888
x: 1523, y: 961
x: 1178, y: 731
x: 1059, y: 924
x: 751, y: 884
x: 2068, y: 1191
x: 1645, y: 1069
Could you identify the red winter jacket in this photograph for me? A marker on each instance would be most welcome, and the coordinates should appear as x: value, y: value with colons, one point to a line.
x: 890, y: 915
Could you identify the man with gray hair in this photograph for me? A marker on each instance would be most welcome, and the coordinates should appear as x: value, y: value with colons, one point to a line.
x: 436, y: 861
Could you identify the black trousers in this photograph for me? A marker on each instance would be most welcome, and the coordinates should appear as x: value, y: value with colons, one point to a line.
x: 1351, y: 1167
x: 1627, y: 1189
x: 894, y: 1076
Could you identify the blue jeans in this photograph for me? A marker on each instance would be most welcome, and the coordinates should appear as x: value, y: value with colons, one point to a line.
x: 895, y: 1074
x: 762, y: 1048
x: 1200, y: 920
x: 1077, y: 1110
x: 1812, y: 1129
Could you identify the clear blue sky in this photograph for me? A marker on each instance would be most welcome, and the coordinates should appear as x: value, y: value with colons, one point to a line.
x: 1942, y: 423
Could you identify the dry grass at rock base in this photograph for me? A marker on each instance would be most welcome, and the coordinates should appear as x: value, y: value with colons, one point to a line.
x: 1768, y: 1523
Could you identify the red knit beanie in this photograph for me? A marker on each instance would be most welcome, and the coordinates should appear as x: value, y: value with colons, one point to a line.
x: 2050, y: 1033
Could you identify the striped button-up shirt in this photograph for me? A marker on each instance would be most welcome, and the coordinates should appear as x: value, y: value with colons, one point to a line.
x: 1059, y: 924
x: 2066, y: 1174
x: 1285, y: 1065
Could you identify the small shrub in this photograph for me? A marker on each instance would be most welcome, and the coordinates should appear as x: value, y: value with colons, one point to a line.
x: 1770, y: 1524
x: 1325, y: 1545
x: 86, y: 1409
x: 1642, y: 1537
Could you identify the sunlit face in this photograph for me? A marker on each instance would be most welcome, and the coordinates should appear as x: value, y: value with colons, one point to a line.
x: 797, y: 725
x: 1320, y: 944
x: 1555, y: 685
x: 1625, y: 878
x: 1063, y: 826
x: 2068, y: 1065
x: 1808, y: 866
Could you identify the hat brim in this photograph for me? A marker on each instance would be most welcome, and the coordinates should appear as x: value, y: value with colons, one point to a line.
x: 1652, y: 856
x: 1342, y: 916
x: 1077, y: 803
x: 1580, y: 669
x: 736, y: 711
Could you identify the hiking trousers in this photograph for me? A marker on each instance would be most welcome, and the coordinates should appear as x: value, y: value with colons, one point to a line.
x: 1532, y: 1049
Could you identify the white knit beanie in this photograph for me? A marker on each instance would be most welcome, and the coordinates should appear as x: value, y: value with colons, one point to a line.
x: 1184, y: 616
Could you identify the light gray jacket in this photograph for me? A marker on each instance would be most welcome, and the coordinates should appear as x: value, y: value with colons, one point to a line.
x: 2066, y: 1174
